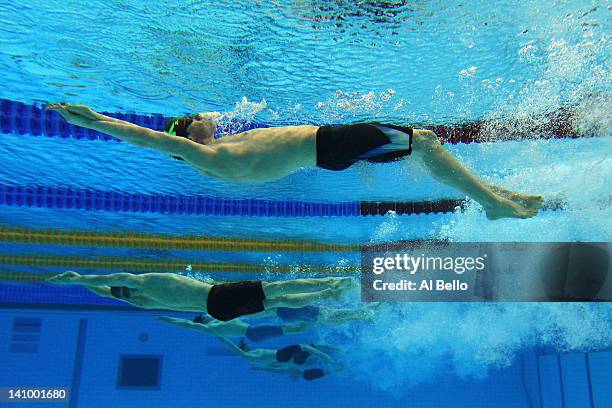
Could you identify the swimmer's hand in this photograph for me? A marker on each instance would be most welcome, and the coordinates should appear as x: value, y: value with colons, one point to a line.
x: 79, y: 115
x: 66, y: 277
x: 84, y: 111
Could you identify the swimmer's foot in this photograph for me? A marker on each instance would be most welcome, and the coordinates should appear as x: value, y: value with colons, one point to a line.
x: 505, y: 208
x: 374, y: 306
x: 369, y: 312
x: 526, y: 200
x: 344, y: 283
x: 333, y: 294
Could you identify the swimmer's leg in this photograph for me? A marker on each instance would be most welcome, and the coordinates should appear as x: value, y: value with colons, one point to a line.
x: 296, y: 286
x: 448, y: 170
x: 296, y: 301
x: 329, y: 315
x: 293, y: 328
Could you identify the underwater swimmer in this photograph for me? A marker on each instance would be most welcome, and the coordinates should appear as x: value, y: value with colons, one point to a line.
x: 224, y: 301
x: 295, y: 320
x: 289, y: 360
x: 272, y: 153
x: 237, y: 328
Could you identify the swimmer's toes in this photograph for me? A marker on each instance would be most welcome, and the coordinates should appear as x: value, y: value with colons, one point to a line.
x: 526, y: 215
x: 509, y: 209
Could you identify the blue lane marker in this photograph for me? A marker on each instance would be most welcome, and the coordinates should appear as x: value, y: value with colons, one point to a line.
x: 114, y: 201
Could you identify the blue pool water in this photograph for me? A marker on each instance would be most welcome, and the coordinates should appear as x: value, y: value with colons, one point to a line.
x: 449, y: 63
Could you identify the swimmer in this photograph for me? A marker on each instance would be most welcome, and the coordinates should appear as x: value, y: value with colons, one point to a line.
x: 224, y: 301
x: 237, y: 328
x: 288, y: 360
x: 272, y: 153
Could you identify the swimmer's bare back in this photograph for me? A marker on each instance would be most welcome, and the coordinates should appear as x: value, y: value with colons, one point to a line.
x: 261, y: 154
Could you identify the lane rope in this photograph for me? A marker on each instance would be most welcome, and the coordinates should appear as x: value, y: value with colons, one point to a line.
x: 116, y: 201
x: 166, y: 242
x: 172, y: 265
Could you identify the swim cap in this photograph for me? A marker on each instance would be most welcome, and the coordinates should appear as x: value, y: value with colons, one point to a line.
x: 178, y: 126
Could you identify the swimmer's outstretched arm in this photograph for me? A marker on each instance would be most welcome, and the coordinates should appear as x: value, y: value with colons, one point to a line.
x: 232, y: 328
x: 285, y: 369
x: 80, y: 115
x: 114, y: 279
x: 84, y: 111
x: 183, y: 323
x: 293, y: 370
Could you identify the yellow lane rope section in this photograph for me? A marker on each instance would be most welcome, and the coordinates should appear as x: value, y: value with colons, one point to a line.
x: 174, y: 265
x: 169, y: 242
x: 7, y: 275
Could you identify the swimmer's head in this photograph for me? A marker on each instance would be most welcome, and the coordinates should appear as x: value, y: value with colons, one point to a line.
x: 195, y: 128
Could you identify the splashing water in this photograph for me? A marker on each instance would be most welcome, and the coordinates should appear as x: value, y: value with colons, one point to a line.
x: 369, y: 104
x: 424, y: 342
x: 234, y: 121
x: 387, y: 229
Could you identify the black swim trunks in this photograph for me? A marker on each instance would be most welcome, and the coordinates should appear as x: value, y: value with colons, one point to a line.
x: 338, y: 147
x: 294, y: 352
x: 228, y: 301
x: 120, y: 292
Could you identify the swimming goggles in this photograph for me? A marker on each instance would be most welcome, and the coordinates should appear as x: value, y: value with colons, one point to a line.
x: 178, y: 127
x: 172, y: 125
